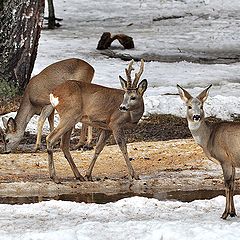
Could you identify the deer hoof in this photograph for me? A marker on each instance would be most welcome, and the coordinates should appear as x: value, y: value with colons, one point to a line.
x: 225, y: 215
x: 83, y: 146
x: 37, y: 148
x: 81, y: 178
x: 87, y: 147
x: 134, y: 177
x: 89, y: 178
x: 56, y: 180
x: 233, y: 214
x: 79, y: 146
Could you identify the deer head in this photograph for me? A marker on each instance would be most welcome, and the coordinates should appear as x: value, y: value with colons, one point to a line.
x: 195, y: 112
x: 11, y: 138
x: 133, y: 91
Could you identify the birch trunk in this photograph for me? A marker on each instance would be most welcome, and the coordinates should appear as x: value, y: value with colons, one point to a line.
x: 20, y: 27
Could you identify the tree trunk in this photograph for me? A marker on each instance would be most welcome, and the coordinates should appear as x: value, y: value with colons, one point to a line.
x: 51, y: 15
x: 21, y: 22
x: 1, y: 5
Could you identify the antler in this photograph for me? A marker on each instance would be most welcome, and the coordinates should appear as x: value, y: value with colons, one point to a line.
x: 138, y: 75
x: 128, y: 73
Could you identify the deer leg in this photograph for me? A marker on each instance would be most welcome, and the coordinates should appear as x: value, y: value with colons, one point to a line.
x: 62, y: 128
x: 50, y: 143
x: 103, y: 137
x: 86, y: 130
x: 46, y: 112
x: 88, y: 145
x: 82, y: 138
x: 232, y: 208
x: 120, y: 140
x: 65, y: 148
x: 51, y: 121
x: 229, y: 177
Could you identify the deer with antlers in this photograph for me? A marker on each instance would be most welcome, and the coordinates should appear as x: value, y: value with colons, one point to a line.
x: 36, y: 101
x: 108, y: 109
x: 220, y: 142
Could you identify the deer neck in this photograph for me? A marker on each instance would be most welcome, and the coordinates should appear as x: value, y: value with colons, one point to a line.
x: 135, y: 115
x: 23, y: 117
x: 200, y: 132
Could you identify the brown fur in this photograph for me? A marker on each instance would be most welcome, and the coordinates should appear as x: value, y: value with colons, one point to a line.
x: 220, y: 142
x: 97, y: 106
x: 36, y: 97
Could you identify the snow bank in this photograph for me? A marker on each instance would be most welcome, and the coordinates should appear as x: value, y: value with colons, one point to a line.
x: 130, y: 218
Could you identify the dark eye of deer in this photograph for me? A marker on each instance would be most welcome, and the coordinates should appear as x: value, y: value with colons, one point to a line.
x: 7, y: 140
x: 133, y: 98
x: 189, y: 107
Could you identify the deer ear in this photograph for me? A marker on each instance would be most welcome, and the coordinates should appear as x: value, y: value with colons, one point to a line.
x: 1, y: 132
x: 185, y: 95
x: 5, y: 121
x: 142, y: 86
x: 123, y: 83
x: 204, y: 94
x: 9, y: 124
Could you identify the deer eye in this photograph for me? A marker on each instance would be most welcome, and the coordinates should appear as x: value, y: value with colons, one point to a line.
x: 133, y: 98
x: 7, y: 140
x: 189, y: 107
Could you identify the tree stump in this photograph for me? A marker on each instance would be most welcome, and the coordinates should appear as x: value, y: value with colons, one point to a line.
x: 106, y: 40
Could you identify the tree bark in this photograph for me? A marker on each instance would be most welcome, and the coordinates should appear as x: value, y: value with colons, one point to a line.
x: 20, y: 27
x: 51, y: 15
x: 1, y: 5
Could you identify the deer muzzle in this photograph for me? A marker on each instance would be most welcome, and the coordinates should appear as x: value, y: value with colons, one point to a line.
x: 123, y: 108
x: 196, y: 118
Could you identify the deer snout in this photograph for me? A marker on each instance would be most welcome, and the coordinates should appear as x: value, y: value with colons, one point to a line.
x: 123, y: 108
x: 6, y: 152
x: 196, y: 118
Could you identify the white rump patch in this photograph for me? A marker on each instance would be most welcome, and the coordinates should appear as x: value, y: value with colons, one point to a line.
x: 54, y: 100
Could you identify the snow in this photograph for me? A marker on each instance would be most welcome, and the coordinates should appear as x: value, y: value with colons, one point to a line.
x: 129, y: 218
x: 207, y: 26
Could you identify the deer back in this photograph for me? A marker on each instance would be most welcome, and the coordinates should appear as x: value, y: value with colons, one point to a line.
x: 92, y: 104
x: 41, y: 85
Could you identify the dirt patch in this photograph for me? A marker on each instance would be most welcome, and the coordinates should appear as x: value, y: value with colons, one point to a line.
x: 163, y: 165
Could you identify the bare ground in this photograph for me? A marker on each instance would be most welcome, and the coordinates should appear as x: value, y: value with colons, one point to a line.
x: 162, y: 153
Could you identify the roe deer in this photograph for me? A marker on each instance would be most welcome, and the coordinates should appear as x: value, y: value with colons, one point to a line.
x: 36, y: 100
x: 220, y: 141
x: 109, y: 109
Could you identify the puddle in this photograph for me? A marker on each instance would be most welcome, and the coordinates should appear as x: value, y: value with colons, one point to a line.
x: 101, y: 198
